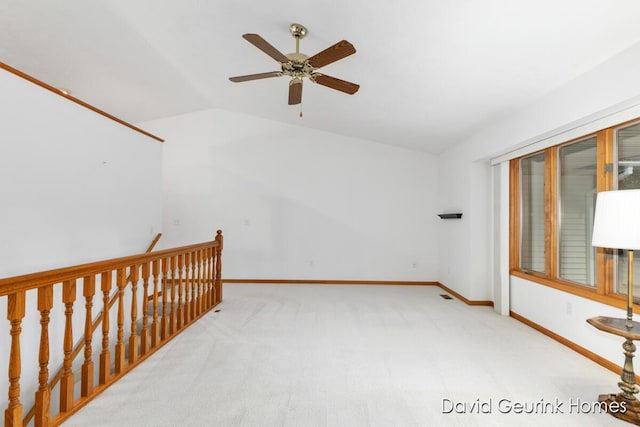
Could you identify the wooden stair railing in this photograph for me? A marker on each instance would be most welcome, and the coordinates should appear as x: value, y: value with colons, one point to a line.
x: 194, y: 275
x: 80, y: 344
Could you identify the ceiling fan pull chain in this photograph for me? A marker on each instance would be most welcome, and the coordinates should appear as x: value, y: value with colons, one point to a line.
x: 301, y: 110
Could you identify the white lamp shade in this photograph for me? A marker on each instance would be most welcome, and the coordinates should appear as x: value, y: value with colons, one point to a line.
x: 617, y: 220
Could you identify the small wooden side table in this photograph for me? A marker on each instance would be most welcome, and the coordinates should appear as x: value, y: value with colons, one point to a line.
x: 626, y: 406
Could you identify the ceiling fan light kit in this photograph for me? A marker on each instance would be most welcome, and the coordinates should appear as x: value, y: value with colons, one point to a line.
x: 298, y: 66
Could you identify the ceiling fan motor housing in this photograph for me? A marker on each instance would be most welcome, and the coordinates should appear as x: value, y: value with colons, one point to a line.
x: 297, y: 66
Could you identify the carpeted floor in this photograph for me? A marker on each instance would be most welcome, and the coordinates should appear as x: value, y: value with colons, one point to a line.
x: 351, y: 356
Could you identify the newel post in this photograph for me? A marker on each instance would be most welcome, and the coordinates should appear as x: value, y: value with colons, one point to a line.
x: 15, y: 314
x: 218, y: 285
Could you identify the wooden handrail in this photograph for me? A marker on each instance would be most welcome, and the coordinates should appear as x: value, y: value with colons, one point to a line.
x: 26, y: 282
x: 153, y: 243
x: 194, y: 269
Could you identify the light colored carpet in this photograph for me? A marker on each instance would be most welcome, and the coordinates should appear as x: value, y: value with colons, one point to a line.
x: 351, y: 356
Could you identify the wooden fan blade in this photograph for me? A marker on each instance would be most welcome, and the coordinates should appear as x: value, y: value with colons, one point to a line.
x: 248, y: 77
x: 337, y: 84
x: 264, y: 46
x: 340, y: 50
x: 295, y: 92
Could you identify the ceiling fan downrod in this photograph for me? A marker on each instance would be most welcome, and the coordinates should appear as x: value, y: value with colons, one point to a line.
x: 298, y: 32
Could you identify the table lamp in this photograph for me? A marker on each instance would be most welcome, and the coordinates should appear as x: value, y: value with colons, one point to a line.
x: 616, y: 225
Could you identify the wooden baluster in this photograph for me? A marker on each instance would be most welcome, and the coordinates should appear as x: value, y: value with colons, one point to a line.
x: 165, y: 318
x: 43, y: 395
x: 172, y: 319
x: 133, y: 338
x: 144, y: 339
x: 105, y: 355
x: 219, y: 239
x: 197, y: 293
x: 180, y: 313
x: 201, y: 302
x: 205, y: 289
x: 121, y: 282
x: 15, y: 314
x: 66, y: 383
x: 89, y: 290
x: 187, y: 289
x: 207, y: 278
x: 154, y: 322
x: 194, y: 287
x: 212, y: 273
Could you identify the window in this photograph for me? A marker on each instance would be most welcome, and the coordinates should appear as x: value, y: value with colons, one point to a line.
x: 576, y: 206
x: 532, y: 208
x: 628, y: 177
x: 553, y: 194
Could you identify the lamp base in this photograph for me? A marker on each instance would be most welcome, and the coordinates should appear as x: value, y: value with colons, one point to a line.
x: 622, y: 407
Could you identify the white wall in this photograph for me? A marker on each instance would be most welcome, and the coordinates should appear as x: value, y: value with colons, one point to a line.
x: 296, y: 203
x: 75, y: 187
x: 593, y: 96
x: 453, y: 234
x: 566, y: 315
x: 500, y: 239
x: 465, y: 256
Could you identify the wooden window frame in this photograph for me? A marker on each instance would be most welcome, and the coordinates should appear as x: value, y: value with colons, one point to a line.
x: 603, y: 291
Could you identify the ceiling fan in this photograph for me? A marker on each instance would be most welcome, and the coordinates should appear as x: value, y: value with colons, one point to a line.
x: 298, y: 65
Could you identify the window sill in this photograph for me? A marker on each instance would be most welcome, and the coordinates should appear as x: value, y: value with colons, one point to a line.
x: 618, y: 301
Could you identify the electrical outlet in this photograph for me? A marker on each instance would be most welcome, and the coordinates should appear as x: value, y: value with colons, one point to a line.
x: 569, y: 309
x: 414, y: 264
x: 310, y: 263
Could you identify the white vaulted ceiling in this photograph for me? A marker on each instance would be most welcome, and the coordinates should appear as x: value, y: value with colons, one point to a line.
x: 431, y: 72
